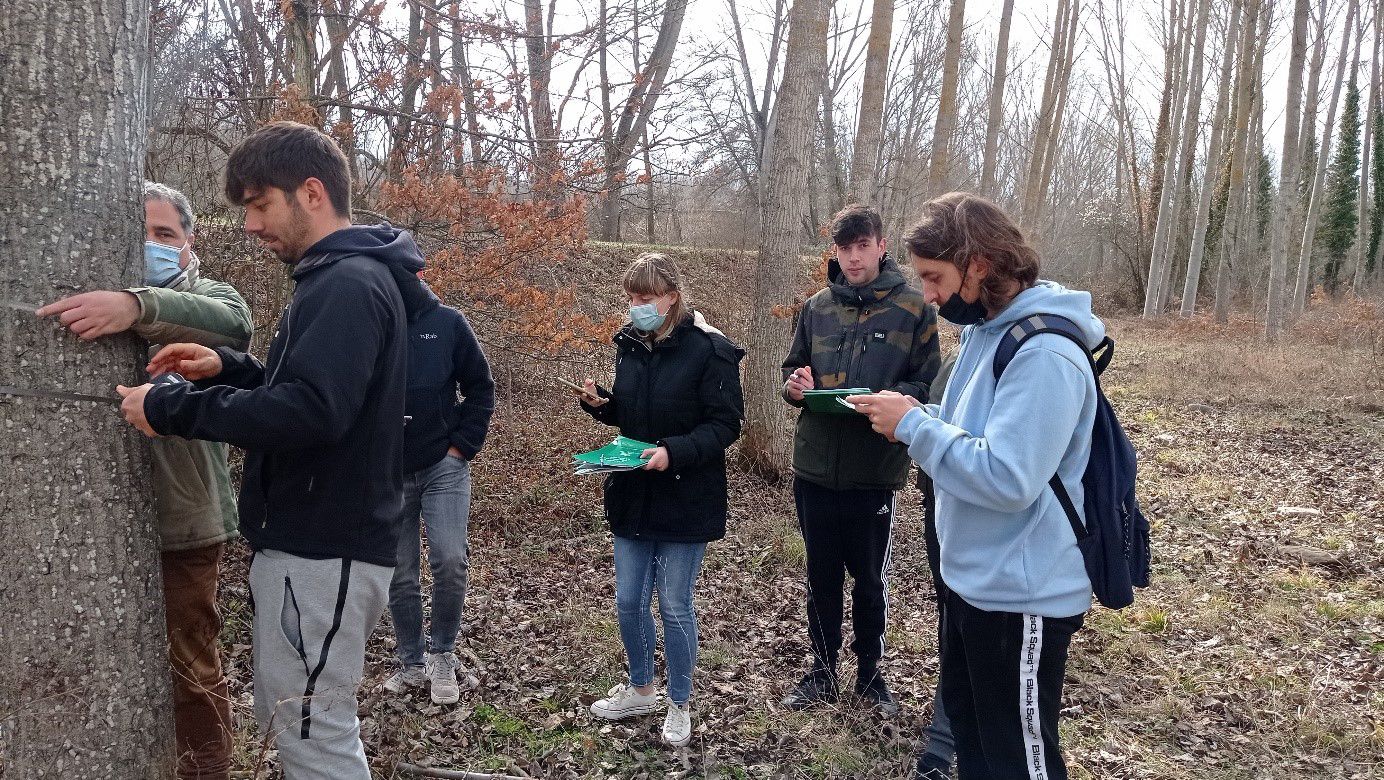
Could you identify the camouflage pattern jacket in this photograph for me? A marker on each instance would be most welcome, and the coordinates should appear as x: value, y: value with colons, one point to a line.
x: 882, y: 336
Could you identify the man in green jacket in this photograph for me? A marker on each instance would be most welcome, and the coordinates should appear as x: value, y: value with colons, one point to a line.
x: 192, y: 485
x: 868, y: 328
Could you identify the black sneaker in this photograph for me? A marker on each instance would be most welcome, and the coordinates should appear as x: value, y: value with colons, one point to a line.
x: 875, y: 692
x: 931, y: 767
x: 818, y: 686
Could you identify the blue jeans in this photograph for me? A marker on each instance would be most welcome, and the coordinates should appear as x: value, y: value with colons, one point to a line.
x: 670, y: 568
x: 441, y: 494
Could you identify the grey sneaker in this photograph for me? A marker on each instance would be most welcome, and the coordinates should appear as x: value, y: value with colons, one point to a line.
x: 406, y: 678
x: 677, y: 726
x: 443, y: 670
x: 624, y: 701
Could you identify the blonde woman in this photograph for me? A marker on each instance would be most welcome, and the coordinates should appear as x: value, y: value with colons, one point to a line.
x: 677, y: 385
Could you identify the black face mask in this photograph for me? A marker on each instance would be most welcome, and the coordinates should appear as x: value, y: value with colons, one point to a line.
x: 959, y: 312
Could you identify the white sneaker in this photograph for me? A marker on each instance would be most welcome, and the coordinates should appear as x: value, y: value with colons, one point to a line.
x: 442, y: 672
x: 406, y: 678
x: 677, y: 727
x: 624, y: 701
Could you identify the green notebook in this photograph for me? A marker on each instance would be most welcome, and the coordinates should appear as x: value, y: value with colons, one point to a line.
x: 824, y: 401
x: 619, y: 455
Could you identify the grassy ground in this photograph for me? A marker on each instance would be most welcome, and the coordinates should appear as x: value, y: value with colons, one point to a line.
x: 1257, y: 653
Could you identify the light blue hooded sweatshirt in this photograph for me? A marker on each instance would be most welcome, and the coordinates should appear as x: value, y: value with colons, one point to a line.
x: 1007, y: 546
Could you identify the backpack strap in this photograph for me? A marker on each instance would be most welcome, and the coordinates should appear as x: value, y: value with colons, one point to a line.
x: 1026, y: 329
x: 1037, y: 324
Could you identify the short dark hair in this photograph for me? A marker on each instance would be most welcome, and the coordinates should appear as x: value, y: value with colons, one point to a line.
x: 283, y: 155
x: 855, y: 222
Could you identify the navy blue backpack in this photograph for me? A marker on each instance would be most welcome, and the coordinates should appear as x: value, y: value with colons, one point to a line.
x: 1114, y: 541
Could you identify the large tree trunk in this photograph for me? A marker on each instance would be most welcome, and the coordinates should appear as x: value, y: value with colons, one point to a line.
x: 84, y: 675
x: 1318, y: 191
x: 1182, y: 194
x: 939, y: 170
x: 300, y: 28
x: 870, y: 123
x: 1285, y: 205
x: 780, y: 269
x: 1196, y: 254
x: 996, y: 118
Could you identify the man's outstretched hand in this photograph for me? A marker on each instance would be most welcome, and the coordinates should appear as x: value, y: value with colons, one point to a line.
x: 91, y: 315
x: 192, y: 361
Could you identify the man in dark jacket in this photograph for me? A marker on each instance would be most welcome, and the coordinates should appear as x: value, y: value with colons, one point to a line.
x: 322, y: 423
x: 868, y: 328
x: 442, y: 436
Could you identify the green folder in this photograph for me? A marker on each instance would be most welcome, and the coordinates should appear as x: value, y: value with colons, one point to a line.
x: 824, y: 401
x: 621, y: 453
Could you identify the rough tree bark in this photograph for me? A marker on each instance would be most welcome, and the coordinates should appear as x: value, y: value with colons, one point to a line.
x: 1286, y: 204
x: 939, y: 169
x: 870, y: 123
x: 996, y: 119
x: 84, y: 675
x: 540, y: 60
x: 766, y: 443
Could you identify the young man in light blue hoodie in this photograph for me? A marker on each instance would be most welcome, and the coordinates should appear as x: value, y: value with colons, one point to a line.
x: 1017, y: 585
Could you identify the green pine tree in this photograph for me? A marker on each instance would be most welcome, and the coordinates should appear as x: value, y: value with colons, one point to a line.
x: 1377, y: 207
x: 1337, y: 230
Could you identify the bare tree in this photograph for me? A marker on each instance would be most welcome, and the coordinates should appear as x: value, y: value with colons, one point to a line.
x: 1048, y: 129
x: 1285, y: 206
x: 870, y: 123
x: 779, y: 269
x: 1362, y: 230
x: 939, y: 169
x: 1178, y: 90
x: 1236, y: 207
x: 1318, y: 191
x: 84, y: 675
x: 1214, y: 163
x: 996, y: 115
x: 634, y: 115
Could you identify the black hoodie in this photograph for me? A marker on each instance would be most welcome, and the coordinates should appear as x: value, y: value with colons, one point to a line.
x: 322, y: 422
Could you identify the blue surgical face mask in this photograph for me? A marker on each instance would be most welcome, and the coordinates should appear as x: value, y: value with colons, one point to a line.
x: 646, y: 317
x: 161, y: 263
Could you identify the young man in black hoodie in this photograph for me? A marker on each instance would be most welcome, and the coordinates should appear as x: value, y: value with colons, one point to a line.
x: 868, y: 328
x: 322, y: 424
x: 442, y: 436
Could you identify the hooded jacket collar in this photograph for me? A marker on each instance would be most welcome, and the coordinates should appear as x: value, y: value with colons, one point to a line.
x: 890, y: 279
x: 383, y: 243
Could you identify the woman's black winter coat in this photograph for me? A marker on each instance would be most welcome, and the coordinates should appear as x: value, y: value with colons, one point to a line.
x: 682, y: 393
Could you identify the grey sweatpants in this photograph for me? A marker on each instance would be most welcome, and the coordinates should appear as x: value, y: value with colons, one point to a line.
x: 312, y: 619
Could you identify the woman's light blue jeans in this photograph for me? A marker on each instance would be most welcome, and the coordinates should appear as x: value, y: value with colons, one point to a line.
x: 641, y: 567
x: 441, y: 494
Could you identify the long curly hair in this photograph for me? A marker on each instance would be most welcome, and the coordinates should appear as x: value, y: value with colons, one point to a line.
x: 959, y: 226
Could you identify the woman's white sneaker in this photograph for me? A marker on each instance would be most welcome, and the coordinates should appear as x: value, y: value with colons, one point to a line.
x: 623, y: 701
x: 677, y: 727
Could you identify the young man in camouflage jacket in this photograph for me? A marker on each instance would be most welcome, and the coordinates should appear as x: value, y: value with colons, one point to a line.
x: 868, y: 328
x: 192, y: 484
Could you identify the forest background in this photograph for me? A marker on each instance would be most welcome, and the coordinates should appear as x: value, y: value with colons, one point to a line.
x: 1212, y: 170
